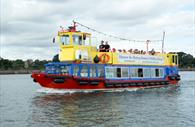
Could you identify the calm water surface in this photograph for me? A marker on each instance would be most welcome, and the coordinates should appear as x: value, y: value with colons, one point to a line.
x: 23, y: 105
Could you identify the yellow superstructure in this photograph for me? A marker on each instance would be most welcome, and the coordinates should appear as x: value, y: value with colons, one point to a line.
x: 76, y: 46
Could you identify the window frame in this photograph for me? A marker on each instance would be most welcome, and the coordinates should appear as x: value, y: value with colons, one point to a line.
x: 73, y: 70
x: 173, y: 58
x: 81, y: 68
x: 160, y: 75
x: 102, y: 69
x: 144, y: 72
x: 176, y: 59
x: 114, y: 72
x: 68, y: 67
x: 65, y: 39
x: 87, y: 40
x: 73, y: 39
x: 122, y: 72
x: 91, y: 70
x: 134, y: 69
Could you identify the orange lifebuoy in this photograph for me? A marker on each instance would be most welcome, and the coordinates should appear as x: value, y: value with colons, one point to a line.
x: 104, y: 58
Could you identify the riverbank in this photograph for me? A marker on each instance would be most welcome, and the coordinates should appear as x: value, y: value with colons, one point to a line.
x: 7, y: 72
x: 186, y: 69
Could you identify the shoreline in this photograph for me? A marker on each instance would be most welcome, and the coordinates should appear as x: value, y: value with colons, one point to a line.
x: 186, y: 69
x: 10, y: 72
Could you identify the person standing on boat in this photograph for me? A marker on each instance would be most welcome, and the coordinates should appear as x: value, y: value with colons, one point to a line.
x: 102, y: 47
x: 107, y: 46
x: 152, y: 52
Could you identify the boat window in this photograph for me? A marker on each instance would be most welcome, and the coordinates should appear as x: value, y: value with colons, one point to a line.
x: 57, y: 70
x: 157, y: 72
x: 147, y: 72
x: 50, y: 69
x: 176, y: 60
x: 64, y: 69
x: 75, y: 70
x: 94, y: 41
x: 65, y: 39
x: 77, y: 39
x: 140, y: 72
x: 134, y: 72
x: 92, y: 71
x: 84, y: 71
x: 100, y: 71
x: 173, y: 58
x: 153, y: 73
x: 118, y: 72
x: 161, y: 72
x: 125, y: 72
x: 86, y: 40
x: 110, y: 72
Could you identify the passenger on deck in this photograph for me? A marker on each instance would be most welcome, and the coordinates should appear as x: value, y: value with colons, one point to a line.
x: 113, y: 50
x: 130, y: 50
x: 141, y: 51
x: 119, y: 50
x: 135, y: 51
x: 102, y: 47
x: 152, y: 52
x: 107, y: 47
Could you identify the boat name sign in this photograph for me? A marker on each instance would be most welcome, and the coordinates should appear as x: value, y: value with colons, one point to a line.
x: 140, y: 59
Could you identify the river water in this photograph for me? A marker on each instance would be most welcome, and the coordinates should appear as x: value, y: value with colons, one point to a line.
x: 25, y: 104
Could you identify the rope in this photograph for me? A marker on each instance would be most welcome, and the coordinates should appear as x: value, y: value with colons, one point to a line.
x: 112, y: 36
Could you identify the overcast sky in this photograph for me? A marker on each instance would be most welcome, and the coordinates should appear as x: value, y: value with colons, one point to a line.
x: 28, y: 26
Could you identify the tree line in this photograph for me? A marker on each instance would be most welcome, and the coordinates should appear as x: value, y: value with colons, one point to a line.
x: 185, y: 61
x: 20, y: 64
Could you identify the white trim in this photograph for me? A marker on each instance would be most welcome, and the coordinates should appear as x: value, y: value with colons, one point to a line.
x: 70, y: 91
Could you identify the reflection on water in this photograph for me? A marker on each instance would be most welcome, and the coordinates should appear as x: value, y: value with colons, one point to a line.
x: 110, y: 109
x: 72, y: 109
x: 21, y: 105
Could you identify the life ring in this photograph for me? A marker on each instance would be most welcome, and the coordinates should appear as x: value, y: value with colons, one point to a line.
x: 104, y: 58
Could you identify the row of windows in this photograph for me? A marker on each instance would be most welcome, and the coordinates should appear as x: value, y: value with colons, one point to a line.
x: 113, y: 72
x: 77, y: 40
x: 110, y: 72
x: 125, y: 72
x: 88, y: 71
x: 77, y: 70
x: 57, y: 69
x: 118, y: 72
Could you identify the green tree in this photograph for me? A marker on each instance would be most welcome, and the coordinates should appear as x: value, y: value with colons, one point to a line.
x: 37, y: 64
x: 185, y: 60
x: 193, y: 62
x: 18, y: 64
x: 5, y: 64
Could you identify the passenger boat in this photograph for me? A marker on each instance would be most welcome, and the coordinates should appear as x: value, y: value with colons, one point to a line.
x: 82, y: 66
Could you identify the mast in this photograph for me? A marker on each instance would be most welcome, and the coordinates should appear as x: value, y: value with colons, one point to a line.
x: 147, y: 42
x: 163, y: 40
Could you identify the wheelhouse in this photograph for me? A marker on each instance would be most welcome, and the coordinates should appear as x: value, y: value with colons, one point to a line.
x: 74, y: 39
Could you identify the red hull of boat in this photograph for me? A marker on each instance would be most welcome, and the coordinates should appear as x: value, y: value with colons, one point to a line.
x: 71, y: 83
